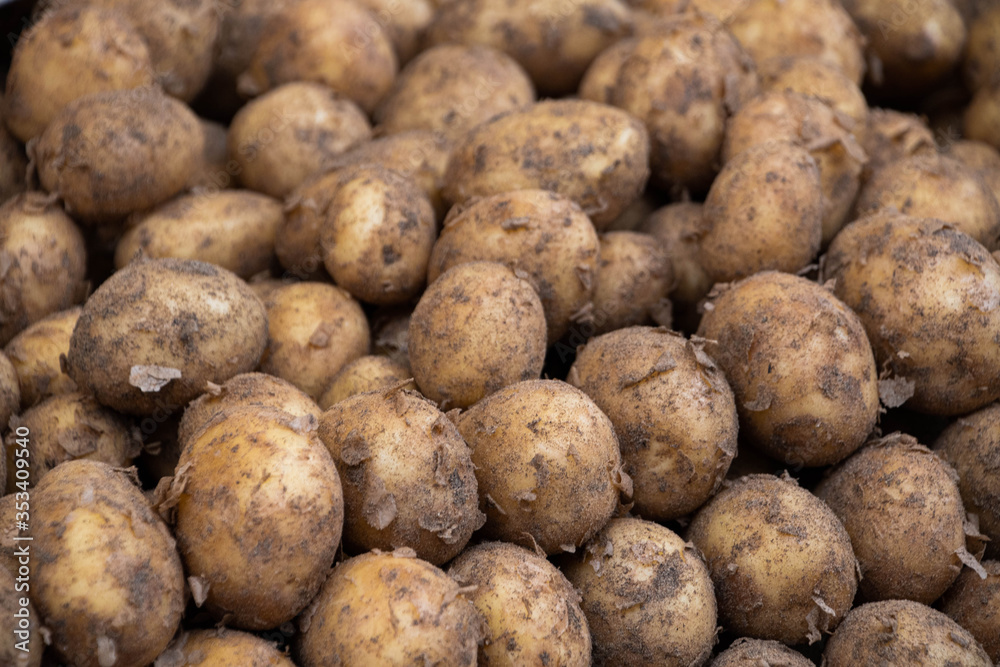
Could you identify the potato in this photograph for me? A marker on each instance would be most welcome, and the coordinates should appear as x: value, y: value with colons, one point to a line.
x: 334, y: 42
x: 157, y: 331
x: 935, y: 186
x: 241, y: 29
x: 212, y: 170
x: 365, y: 374
x: 451, y: 88
x: 234, y: 229
x: 974, y: 603
x: 634, y: 276
x: 477, y: 329
x: 982, y: 116
x: 35, y: 355
x: 928, y: 296
x: 314, y: 330
x: 981, y: 65
x: 647, y: 596
x: 258, y: 528
x: 349, y: 621
x: 720, y: 9
x: 69, y: 53
x: 900, y: 632
x: 109, y: 154
x: 780, y: 560
x: 753, y: 652
x: 223, y: 648
x: 591, y: 153
x: 292, y: 132
x: 972, y: 446
x: 532, y: 612
x: 407, y: 473
x: 601, y: 78
x: 673, y: 413
x: 43, y: 258
x: 10, y: 391
x: 13, y: 165
x: 391, y: 335
x: 891, y: 136
x: 547, y: 463
x: 764, y: 211
x: 812, y: 76
x: 901, y: 506
x: 980, y: 158
x: 554, y: 41
x: 800, y: 366
x: 106, y: 578
x: 541, y: 234
x: 405, y: 23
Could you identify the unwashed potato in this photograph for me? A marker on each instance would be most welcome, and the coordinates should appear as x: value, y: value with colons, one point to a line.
x: 35, y: 355
x: 672, y: 410
x: 391, y: 334
x: 292, y: 132
x: 20, y: 624
x: 891, y: 136
x: 478, y: 328
x: 10, y: 392
x: 234, y: 229
x: 720, y: 9
x: 981, y: 158
x: 634, y: 276
x: 44, y: 260
x: 901, y: 632
x: 547, y: 463
x: 982, y: 116
x: 780, y: 559
x: 155, y: 332
x: 364, y: 374
x: 259, y: 527
x: 532, y: 613
x: 389, y: 609
x: 981, y: 65
x: 974, y: 603
x: 812, y: 76
x: 755, y: 652
x: 222, y: 648
x: 407, y: 474
x: 601, y: 78
x: 13, y: 165
x: 647, y: 595
x: 405, y: 23
x: 591, y: 153
x: 109, y: 154
x: 212, y: 171
x: 106, y: 578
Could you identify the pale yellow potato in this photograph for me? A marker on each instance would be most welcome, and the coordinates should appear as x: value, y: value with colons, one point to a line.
x: 601, y: 78
x: 223, y: 647
x: 754, y: 652
x: 20, y: 623
x: 405, y: 23
x: 634, y: 276
x: 809, y: 75
x: 982, y: 116
x: 974, y: 603
x: 364, y: 374
x: 981, y: 64
x: 35, y: 355
x: 10, y: 392
x: 891, y: 136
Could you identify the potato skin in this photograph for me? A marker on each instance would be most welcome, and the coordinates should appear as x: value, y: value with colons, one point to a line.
x: 369, y: 373
x: 780, y: 560
x: 974, y: 603
x: 13, y: 165
x: 809, y: 75
x: 405, y: 22
x: 981, y: 158
x: 753, y: 652
x: 106, y: 579
x: 223, y: 648
x: 634, y: 276
x: 35, y: 355
x: 10, y: 392
x: 196, y: 318
x: 891, y: 136
x: 981, y: 116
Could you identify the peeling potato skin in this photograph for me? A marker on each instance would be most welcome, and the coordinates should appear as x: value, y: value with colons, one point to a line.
x: 35, y: 355
x: 901, y: 632
x: 672, y: 410
x: 901, y: 506
x: 811, y: 76
x: 407, y: 474
x: 540, y: 233
x: 9, y: 605
x: 261, y: 525
x: 647, y: 596
x: 532, y: 613
x: 181, y: 314
x: 929, y: 298
x: 755, y: 652
x: 382, y: 608
x: 222, y: 648
x: 774, y: 550
x: 547, y: 463
x: 974, y: 604
x: 369, y: 373
x: 104, y: 568
x: 10, y: 393
x: 634, y: 276
x: 592, y: 153
x: 800, y: 365
x: 891, y: 136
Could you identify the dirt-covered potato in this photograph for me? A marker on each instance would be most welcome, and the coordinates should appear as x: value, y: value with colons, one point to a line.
x: 647, y: 596
x: 10, y: 391
x: 69, y: 53
x: 634, y: 276
x: 755, y: 652
x: 547, y: 463
x: 35, y: 355
x: 901, y: 506
x: 891, y: 136
x: 364, y: 374
x: 405, y: 23
x: 929, y: 298
x: 20, y: 624
x: 109, y: 154
x: 222, y: 647
x: 157, y: 331
x: 389, y: 608
x: 391, y: 334
x: 337, y: 43
x: 553, y: 40
x: 407, y: 474
x: 541, y: 235
x: 314, y: 330
x: 981, y: 158
x: 592, y: 153
x: 44, y: 260
x: 764, y: 211
x: 259, y: 527
x: 532, y: 613
x: 234, y: 229
x: 901, y: 632
x: 106, y: 578
x: 211, y: 171
x: 601, y: 78
x: 451, y: 88
x: 780, y: 560
x: 974, y: 603
x: 673, y: 413
x: 810, y: 75
x: 478, y: 328
x: 13, y: 164
x: 982, y: 116
x: 981, y: 65
x: 720, y: 9
x: 295, y: 130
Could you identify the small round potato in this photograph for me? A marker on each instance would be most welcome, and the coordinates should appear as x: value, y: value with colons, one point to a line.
x: 365, y: 374
x: 477, y: 328
x: 35, y: 355
x: 812, y: 76
x: 647, y: 595
x: 222, y: 648
x: 601, y: 78
x: 297, y: 243
x: 20, y: 624
x: 981, y: 66
x: 106, y: 578
x: 891, y: 136
x: 981, y: 158
x: 634, y: 276
x: 755, y: 652
x: 974, y: 603
x: 982, y: 116
x: 389, y: 609
x: 780, y: 560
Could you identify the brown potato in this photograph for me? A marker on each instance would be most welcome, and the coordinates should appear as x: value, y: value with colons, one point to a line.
x: 391, y: 335
x: 13, y: 165
x: 982, y: 116
x: 812, y: 76
x: 720, y: 9
x: 364, y: 374
x: 212, y: 171
x: 223, y: 647
x: 601, y: 78
x: 240, y: 31
x: 974, y: 603
x: 891, y: 136
x: 35, y: 355
x: 753, y: 652
x: 405, y: 23
x: 981, y: 66
x: 981, y: 158
x: 634, y: 276
x: 10, y: 393
x: 20, y: 624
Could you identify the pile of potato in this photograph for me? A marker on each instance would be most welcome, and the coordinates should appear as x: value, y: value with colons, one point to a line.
x: 520, y: 332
